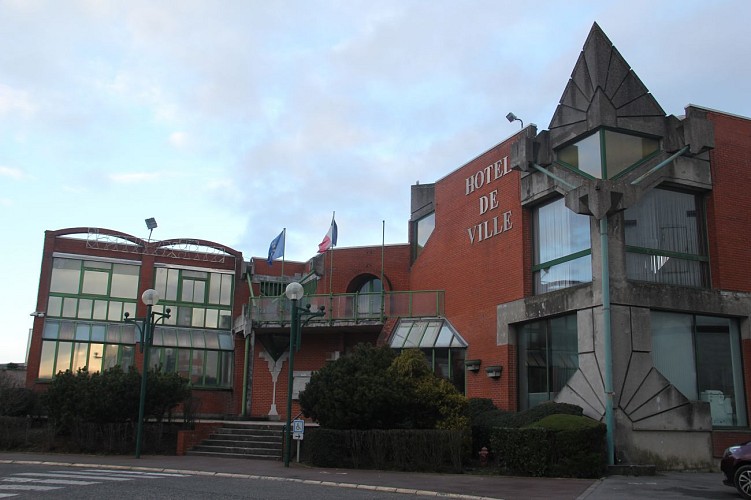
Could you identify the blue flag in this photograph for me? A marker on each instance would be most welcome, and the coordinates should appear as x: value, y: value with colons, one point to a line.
x: 276, y: 249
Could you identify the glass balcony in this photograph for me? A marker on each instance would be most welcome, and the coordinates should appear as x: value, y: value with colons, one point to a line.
x: 351, y: 308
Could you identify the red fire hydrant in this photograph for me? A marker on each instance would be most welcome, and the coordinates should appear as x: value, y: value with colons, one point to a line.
x: 483, y: 456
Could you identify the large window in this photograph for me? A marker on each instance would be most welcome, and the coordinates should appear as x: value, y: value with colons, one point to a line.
x: 563, y: 255
x: 73, y: 345
x: 92, y: 290
x: 442, y: 345
x: 701, y: 357
x: 606, y: 153
x: 202, y: 356
x: 199, y: 299
x: 548, y: 357
x: 664, y: 239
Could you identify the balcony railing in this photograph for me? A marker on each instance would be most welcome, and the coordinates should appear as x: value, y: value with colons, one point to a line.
x: 352, y: 308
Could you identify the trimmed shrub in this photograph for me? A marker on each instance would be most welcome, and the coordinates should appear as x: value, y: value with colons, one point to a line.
x: 578, y: 445
x: 522, y: 451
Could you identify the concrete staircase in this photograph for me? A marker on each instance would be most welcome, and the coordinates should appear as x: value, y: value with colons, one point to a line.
x: 243, y: 440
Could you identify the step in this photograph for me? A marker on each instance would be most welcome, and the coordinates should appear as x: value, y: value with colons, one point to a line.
x: 232, y: 455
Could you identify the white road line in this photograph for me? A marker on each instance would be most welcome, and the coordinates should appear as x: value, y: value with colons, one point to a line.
x: 27, y: 487
x: 47, y: 481
x: 8, y: 495
x: 133, y: 473
x: 75, y: 476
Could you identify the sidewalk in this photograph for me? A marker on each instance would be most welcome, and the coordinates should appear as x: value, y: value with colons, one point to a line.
x: 464, y: 486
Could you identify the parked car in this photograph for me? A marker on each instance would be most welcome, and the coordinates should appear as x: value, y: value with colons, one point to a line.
x: 736, y: 466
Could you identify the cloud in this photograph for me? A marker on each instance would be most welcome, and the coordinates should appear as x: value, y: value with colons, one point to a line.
x: 133, y: 177
x: 14, y: 101
x: 12, y: 173
x: 178, y: 140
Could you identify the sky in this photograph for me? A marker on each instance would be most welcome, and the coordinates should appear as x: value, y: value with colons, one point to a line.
x: 230, y: 120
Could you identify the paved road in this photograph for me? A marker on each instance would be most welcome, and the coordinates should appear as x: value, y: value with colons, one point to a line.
x: 463, y: 486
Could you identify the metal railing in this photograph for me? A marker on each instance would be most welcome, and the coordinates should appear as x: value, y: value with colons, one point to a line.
x: 374, y: 307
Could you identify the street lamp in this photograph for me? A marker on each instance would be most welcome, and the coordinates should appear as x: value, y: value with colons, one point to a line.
x: 146, y: 330
x: 295, y: 292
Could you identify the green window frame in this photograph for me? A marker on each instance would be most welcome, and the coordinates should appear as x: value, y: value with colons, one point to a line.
x: 443, y: 347
x: 562, y: 247
x: 548, y: 356
x: 701, y: 357
x: 607, y: 153
x: 665, y: 239
x: 92, y: 289
x: 196, y: 298
x: 204, y: 357
x: 94, y: 346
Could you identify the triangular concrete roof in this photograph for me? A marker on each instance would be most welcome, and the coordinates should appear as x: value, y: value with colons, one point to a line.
x: 604, y: 92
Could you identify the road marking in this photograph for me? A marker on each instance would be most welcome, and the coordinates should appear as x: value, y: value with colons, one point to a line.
x: 47, y: 481
x: 28, y: 487
x: 74, y: 475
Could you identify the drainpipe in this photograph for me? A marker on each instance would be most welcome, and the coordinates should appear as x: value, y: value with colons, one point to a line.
x: 608, y: 338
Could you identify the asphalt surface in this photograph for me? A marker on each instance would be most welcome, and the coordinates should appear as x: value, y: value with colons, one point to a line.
x: 464, y: 486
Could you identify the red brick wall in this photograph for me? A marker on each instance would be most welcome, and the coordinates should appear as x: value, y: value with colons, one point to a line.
x: 478, y: 276
x: 729, y: 204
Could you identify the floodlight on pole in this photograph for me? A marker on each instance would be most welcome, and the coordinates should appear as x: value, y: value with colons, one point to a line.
x: 151, y: 225
x: 511, y: 117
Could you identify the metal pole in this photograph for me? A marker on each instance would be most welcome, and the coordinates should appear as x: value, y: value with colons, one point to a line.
x: 294, y: 319
x: 608, y: 340
x: 144, y: 375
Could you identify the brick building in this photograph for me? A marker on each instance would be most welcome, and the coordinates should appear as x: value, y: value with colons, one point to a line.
x: 599, y: 262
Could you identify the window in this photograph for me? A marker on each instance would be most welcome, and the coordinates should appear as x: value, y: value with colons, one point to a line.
x: 369, y: 299
x: 548, y: 357
x: 664, y: 239
x: 442, y: 345
x: 70, y: 345
x: 701, y: 357
x: 423, y: 229
x: 562, y: 254
x: 197, y: 299
x: 606, y: 153
x: 92, y: 290
x: 204, y: 357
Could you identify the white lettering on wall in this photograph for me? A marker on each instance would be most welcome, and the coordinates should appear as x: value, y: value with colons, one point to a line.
x: 497, y: 224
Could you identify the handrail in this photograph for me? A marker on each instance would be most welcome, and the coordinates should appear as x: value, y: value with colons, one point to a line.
x: 370, y: 307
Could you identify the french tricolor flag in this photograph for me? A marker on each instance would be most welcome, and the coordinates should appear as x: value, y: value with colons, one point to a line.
x: 330, y: 239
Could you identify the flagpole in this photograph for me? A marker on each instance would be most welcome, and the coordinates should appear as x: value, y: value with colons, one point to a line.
x: 383, y: 248
x: 331, y: 265
x: 284, y: 252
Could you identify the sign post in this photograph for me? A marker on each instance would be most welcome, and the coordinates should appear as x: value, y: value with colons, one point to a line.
x: 298, y: 432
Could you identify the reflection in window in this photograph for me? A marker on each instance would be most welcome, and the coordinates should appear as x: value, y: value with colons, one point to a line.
x: 664, y: 239
x: 423, y: 229
x: 701, y: 357
x: 606, y: 153
x: 548, y: 358
x: 562, y: 255
x: 369, y: 299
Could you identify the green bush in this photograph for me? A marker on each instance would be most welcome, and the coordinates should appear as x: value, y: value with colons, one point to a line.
x: 522, y: 451
x: 397, y: 449
x: 578, y: 445
x: 483, y: 423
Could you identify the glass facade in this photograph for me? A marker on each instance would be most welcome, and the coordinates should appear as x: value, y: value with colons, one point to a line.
x: 548, y: 357
x: 73, y: 345
x: 92, y: 290
x: 442, y: 345
x: 701, y: 357
x: 562, y: 249
x: 204, y: 357
x: 664, y: 239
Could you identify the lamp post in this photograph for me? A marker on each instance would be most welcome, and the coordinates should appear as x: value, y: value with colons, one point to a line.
x: 294, y: 292
x: 146, y: 330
